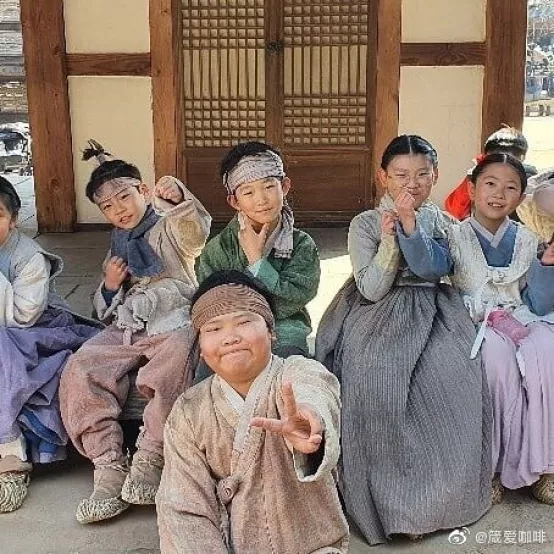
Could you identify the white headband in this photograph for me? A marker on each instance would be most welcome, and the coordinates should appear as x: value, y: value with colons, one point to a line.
x: 111, y: 188
x: 253, y: 168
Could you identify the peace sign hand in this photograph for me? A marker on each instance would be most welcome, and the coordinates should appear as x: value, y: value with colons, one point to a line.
x: 301, y: 426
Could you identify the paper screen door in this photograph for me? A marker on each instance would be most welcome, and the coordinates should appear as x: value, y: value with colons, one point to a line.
x: 293, y: 73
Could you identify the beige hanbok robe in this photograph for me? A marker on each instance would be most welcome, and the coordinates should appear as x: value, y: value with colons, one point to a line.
x: 231, y: 488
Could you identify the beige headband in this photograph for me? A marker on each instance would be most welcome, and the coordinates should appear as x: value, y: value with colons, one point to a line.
x: 111, y: 188
x: 229, y: 298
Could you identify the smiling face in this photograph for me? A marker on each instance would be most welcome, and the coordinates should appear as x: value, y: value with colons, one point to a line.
x: 261, y: 201
x: 237, y: 346
x: 126, y: 209
x: 496, y: 194
x: 413, y: 173
x: 7, y: 223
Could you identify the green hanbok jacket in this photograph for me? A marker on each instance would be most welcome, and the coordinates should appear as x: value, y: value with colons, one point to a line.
x: 293, y: 282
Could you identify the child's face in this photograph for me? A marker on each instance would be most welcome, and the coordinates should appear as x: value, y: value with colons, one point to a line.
x: 7, y: 223
x: 497, y: 192
x: 413, y: 173
x: 261, y: 201
x: 237, y: 346
x: 126, y: 209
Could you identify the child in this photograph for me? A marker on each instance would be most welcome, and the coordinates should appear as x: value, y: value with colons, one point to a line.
x: 506, y: 140
x: 416, y: 413
x: 508, y: 290
x: 148, y: 281
x: 37, y: 335
x: 250, y: 451
x: 261, y: 240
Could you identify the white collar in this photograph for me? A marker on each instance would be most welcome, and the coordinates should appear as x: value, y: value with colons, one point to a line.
x: 493, y: 239
x: 236, y: 401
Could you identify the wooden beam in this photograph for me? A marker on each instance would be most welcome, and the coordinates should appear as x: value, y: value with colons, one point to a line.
x: 167, y: 86
x: 504, y: 84
x: 274, y: 72
x: 109, y: 64
x: 383, y: 125
x: 49, y: 117
x: 443, y: 53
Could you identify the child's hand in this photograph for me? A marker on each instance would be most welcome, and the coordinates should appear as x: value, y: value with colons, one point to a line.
x: 115, y: 274
x: 404, y: 205
x: 301, y: 427
x: 388, y: 222
x: 251, y: 242
x: 548, y: 256
x: 167, y: 189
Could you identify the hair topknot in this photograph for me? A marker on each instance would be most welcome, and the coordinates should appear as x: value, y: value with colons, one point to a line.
x: 95, y: 150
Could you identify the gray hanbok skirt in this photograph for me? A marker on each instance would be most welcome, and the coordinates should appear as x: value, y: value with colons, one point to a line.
x: 416, y: 417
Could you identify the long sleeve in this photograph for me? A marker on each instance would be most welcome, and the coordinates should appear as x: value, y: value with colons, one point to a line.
x: 296, y: 282
x: 186, y: 503
x: 24, y: 301
x: 375, y: 260
x: 317, y: 387
x: 216, y: 256
x: 428, y: 258
x: 539, y: 292
x: 104, y: 310
x: 187, y: 223
x: 293, y: 282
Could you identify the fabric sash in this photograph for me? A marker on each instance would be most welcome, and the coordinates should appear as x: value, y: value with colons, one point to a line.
x: 133, y: 247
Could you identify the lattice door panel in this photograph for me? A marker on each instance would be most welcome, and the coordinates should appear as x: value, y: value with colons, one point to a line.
x: 224, y: 72
x: 325, y: 72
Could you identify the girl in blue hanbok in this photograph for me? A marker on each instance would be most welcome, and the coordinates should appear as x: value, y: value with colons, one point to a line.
x: 37, y: 335
x: 506, y: 276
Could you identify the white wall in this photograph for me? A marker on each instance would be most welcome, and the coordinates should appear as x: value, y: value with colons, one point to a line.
x: 117, y: 112
x: 443, y: 104
x: 443, y: 20
x: 99, y: 26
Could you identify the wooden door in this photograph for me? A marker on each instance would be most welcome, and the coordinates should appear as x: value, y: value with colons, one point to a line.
x: 293, y: 73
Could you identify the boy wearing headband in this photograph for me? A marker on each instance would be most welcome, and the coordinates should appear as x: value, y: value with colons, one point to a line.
x: 262, y: 241
x: 250, y: 451
x: 144, y: 298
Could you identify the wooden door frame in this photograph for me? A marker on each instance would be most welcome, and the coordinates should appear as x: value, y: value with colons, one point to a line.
x: 384, y: 82
x: 504, y: 84
x: 48, y: 65
x: 166, y: 51
x: 44, y: 50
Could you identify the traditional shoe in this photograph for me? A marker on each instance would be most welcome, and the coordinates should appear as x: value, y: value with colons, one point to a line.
x: 105, y: 501
x: 143, y: 480
x: 497, y: 493
x: 13, y: 490
x: 543, y: 489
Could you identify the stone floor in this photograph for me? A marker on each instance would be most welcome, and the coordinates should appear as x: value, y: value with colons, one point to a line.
x: 46, y: 523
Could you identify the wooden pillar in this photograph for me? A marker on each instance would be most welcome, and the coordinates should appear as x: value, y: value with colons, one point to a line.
x: 384, y: 78
x: 504, y: 85
x: 48, y: 99
x: 167, y: 86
